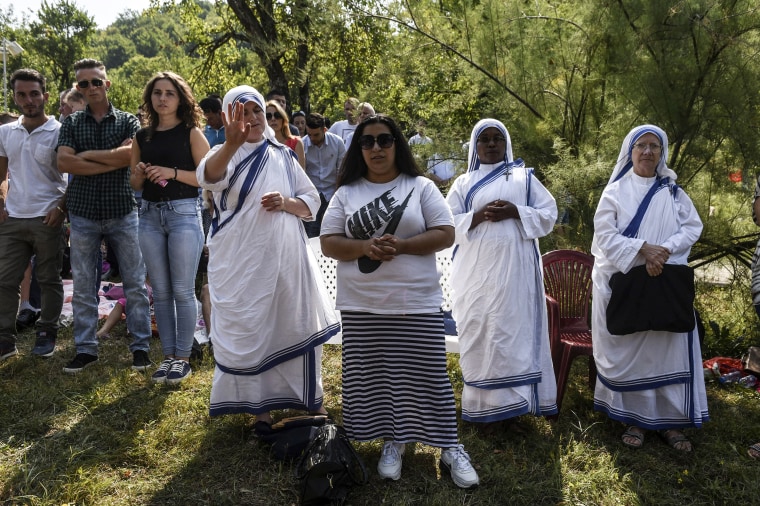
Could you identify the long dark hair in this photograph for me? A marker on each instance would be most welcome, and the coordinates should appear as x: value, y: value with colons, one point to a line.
x: 354, y: 167
x: 188, y: 110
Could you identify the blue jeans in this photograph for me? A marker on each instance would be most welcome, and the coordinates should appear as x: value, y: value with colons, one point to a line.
x: 171, y: 239
x: 85, y: 239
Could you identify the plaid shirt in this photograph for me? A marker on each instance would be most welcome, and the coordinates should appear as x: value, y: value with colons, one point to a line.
x: 102, y: 196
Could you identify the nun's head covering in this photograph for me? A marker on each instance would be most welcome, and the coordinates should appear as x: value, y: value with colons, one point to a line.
x: 243, y: 94
x: 473, y: 162
x: 625, y: 162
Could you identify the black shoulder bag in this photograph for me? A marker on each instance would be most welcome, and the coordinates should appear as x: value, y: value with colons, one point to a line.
x: 641, y: 302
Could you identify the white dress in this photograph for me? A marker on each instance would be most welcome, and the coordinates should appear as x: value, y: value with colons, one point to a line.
x: 271, y: 312
x: 498, y: 294
x: 650, y: 379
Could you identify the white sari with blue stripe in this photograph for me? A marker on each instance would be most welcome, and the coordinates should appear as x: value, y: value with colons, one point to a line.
x: 270, y: 309
x: 652, y: 379
x: 498, y: 292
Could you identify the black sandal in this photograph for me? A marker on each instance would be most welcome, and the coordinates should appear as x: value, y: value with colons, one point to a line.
x: 637, y: 434
x: 675, y: 439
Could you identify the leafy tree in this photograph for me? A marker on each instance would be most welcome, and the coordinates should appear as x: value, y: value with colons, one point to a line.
x: 59, y: 37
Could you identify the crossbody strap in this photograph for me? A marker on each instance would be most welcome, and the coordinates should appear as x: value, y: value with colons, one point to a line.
x: 633, y: 227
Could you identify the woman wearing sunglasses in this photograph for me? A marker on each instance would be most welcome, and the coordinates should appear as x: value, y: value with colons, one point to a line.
x: 278, y: 120
x: 500, y: 210
x: 384, y: 225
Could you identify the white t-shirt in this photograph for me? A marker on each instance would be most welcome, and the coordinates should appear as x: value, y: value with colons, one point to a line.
x: 35, y: 186
x: 409, y: 284
x: 342, y: 129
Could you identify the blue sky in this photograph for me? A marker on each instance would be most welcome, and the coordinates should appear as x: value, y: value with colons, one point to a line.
x: 105, y: 12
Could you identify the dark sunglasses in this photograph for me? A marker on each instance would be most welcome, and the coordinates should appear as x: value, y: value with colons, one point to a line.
x: 274, y: 115
x: 86, y: 84
x: 383, y: 140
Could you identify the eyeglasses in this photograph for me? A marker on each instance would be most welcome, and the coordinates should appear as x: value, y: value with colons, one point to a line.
x: 86, y: 84
x: 497, y: 139
x: 273, y: 115
x: 382, y: 140
x: 641, y: 146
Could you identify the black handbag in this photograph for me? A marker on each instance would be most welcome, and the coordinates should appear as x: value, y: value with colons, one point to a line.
x: 642, y: 302
x: 329, y: 467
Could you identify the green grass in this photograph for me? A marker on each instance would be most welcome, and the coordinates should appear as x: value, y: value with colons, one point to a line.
x: 107, y: 436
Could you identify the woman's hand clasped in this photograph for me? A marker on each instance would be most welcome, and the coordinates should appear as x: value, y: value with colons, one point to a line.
x: 499, y: 210
x: 384, y: 248
x: 655, y: 256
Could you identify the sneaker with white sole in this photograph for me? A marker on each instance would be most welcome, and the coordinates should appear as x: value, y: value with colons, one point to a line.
x: 7, y: 349
x: 44, y: 345
x: 179, y: 372
x: 80, y: 361
x: 389, y: 466
x: 163, y: 370
x: 457, y: 462
x: 140, y: 360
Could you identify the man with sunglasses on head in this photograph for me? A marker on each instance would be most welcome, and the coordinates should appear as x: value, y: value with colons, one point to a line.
x: 94, y: 146
x: 324, y: 154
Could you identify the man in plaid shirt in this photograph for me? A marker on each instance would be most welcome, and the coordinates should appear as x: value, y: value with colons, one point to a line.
x: 94, y: 147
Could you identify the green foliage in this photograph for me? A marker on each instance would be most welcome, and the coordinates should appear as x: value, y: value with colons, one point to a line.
x: 58, y: 39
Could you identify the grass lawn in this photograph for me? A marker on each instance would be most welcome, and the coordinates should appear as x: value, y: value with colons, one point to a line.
x: 107, y: 436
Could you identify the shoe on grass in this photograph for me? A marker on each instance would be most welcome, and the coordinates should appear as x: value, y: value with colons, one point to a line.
x: 163, y: 370
x: 26, y: 318
x: 179, y: 372
x: 457, y: 462
x: 140, y: 360
x: 391, y: 458
x: 81, y: 360
x: 7, y: 349
x: 44, y: 345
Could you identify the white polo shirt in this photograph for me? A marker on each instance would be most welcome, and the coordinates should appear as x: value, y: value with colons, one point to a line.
x: 35, y: 186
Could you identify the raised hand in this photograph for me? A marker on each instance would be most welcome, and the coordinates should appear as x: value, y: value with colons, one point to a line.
x: 236, y: 129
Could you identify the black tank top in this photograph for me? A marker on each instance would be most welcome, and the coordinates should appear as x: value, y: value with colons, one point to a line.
x: 167, y: 148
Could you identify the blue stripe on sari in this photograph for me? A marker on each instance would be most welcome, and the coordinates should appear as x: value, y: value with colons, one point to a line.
x: 252, y: 165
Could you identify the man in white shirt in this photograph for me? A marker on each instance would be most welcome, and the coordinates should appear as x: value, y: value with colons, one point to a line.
x: 346, y: 126
x: 32, y: 210
x: 324, y: 154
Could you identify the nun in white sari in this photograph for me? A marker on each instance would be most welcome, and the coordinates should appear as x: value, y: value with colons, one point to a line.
x: 647, y: 380
x: 271, y: 313
x: 500, y: 210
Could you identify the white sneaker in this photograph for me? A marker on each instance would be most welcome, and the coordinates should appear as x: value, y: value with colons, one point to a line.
x: 389, y: 466
x: 457, y: 462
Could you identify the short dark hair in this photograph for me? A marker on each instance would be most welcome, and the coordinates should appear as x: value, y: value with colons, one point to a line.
x: 89, y: 63
x: 28, y: 75
x: 315, y: 120
x: 275, y: 91
x: 212, y: 103
x: 354, y: 167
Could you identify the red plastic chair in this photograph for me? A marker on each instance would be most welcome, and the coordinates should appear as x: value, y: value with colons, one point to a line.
x: 567, y: 281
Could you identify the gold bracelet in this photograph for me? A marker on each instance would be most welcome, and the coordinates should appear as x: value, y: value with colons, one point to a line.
x: 61, y: 210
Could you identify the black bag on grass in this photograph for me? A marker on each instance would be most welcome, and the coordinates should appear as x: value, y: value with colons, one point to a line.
x: 290, y: 436
x: 329, y: 467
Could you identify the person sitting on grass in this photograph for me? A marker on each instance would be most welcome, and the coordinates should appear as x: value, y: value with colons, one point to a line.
x: 117, y: 293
